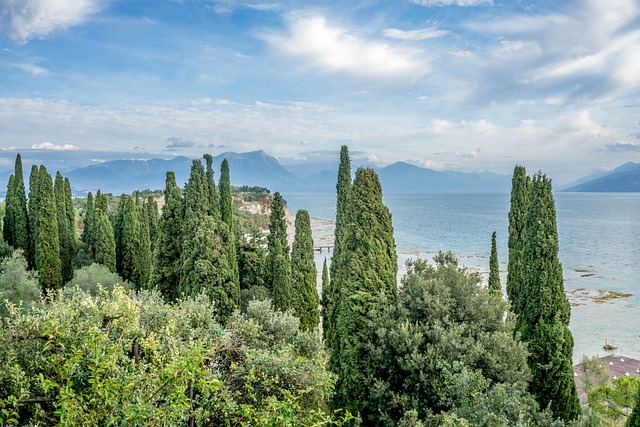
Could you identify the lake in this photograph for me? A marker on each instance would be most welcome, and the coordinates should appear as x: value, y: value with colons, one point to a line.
x: 599, y: 238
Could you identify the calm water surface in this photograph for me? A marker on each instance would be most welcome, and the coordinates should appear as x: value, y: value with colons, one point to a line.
x: 599, y: 236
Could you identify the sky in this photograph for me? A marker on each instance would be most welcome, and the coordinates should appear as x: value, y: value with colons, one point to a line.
x: 467, y: 85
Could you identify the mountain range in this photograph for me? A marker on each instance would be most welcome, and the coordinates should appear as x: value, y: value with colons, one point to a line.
x: 623, y: 179
x: 261, y: 169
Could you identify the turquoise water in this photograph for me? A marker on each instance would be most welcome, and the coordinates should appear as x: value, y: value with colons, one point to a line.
x: 599, y: 237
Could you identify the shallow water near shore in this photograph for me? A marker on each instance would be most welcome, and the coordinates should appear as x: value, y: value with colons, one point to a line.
x: 599, y: 237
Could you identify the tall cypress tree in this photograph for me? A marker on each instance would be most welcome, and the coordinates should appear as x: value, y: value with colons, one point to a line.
x: 226, y: 214
x: 282, y: 293
x: 494, y: 268
x: 343, y: 190
x: 34, y: 201
x: 144, y: 251
x: 47, y: 240
x: 196, y: 207
x: 64, y: 234
x: 168, y: 246
x: 206, y: 267
x: 71, y: 217
x: 365, y: 279
x: 101, y: 202
x: 130, y: 243
x: 277, y: 233
x: 304, y: 275
x: 517, y: 218
x: 151, y: 209
x: 214, y: 202
x: 105, y: 244
x: 545, y: 309
x: 8, y: 222
x: 116, y: 222
x: 325, y: 274
x: 89, y: 223
x: 16, y: 226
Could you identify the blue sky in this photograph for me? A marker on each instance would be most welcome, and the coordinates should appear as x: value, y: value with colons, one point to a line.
x: 466, y: 85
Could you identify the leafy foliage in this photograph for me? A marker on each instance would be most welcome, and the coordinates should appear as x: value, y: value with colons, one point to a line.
x: 17, y: 284
x: 446, y: 353
x: 48, y: 260
x: 96, y: 278
x: 130, y: 359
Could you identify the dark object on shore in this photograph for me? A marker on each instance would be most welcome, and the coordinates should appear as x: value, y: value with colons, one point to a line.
x: 609, y: 347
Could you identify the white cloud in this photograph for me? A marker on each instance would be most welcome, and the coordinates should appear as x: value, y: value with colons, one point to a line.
x: 38, y: 18
x: 55, y: 147
x: 434, y: 3
x: 335, y: 49
x: 29, y: 68
x: 414, y: 35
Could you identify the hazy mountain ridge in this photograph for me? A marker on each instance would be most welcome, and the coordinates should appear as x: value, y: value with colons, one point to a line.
x: 259, y: 168
x: 623, y: 179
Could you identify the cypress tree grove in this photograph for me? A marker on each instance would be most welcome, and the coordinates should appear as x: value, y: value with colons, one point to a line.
x: 277, y: 232
x: 343, y: 189
x: 226, y: 214
x: 252, y: 259
x: 494, y: 268
x: 545, y: 309
x: 47, y: 240
x: 214, y: 203
x: 166, y: 255
x: 517, y: 217
x: 304, y: 275
x: 117, y: 232
x: 366, y: 276
x: 101, y: 202
x: 34, y: 196
x: 64, y: 234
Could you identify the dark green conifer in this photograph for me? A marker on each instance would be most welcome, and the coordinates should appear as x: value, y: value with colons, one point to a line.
x: 34, y: 196
x: 8, y: 222
x: 494, y: 268
x: 16, y: 215
x: 144, y: 251
x: 67, y: 245
x: 71, y: 216
x: 365, y: 279
x: 151, y: 209
x: 282, y: 293
x: 168, y: 247
x: 517, y: 218
x: 116, y: 222
x: 206, y: 267
x: 89, y: 222
x: 304, y: 275
x: 226, y: 214
x: 325, y: 274
x: 105, y: 245
x: 252, y: 258
x: 214, y: 202
x: 47, y: 240
x: 277, y: 233
x: 101, y: 202
x: 130, y: 243
x: 545, y: 314
x: 343, y: 189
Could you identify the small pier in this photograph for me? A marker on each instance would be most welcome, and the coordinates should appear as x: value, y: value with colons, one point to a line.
x: 320, y: 248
